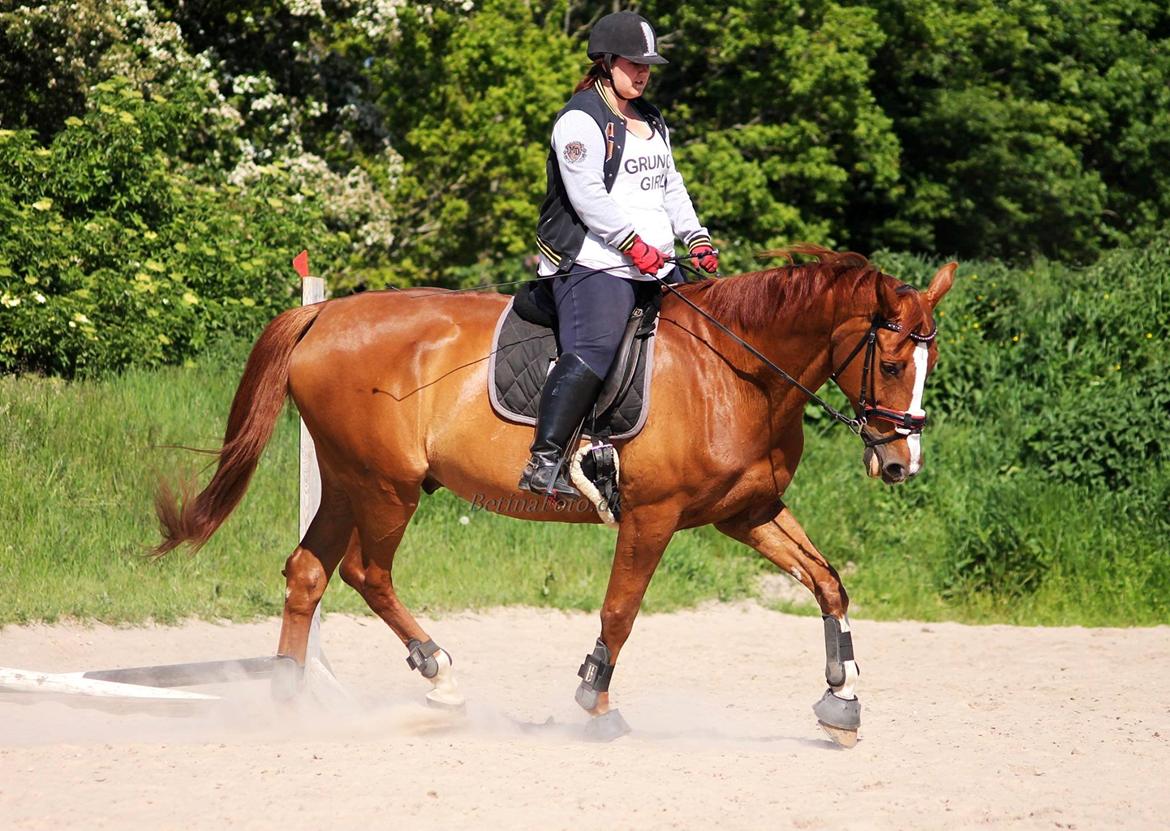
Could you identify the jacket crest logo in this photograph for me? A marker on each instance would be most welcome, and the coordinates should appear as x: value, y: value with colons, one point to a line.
x: 574, y: 152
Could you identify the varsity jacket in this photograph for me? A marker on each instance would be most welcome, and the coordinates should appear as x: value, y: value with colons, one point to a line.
x: 563, y: 226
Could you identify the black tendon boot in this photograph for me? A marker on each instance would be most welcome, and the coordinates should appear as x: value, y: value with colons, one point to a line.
x: 569, y: 392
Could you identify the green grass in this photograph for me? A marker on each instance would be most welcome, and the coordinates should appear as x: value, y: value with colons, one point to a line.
x: 967, y: 540
x: 976, y: 540
x: 79, y: 463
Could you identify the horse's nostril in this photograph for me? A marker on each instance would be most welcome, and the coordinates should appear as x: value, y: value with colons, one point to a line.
x: 895, y: 471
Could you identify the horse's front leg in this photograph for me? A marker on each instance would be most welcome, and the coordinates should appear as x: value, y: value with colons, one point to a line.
x: 778, y: 536
x: 640, y: 543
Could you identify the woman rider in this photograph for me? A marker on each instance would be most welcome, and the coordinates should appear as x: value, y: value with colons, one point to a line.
x: 615, y: 203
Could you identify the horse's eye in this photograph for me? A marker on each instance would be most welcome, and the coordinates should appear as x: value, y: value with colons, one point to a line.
x: 891, y: 369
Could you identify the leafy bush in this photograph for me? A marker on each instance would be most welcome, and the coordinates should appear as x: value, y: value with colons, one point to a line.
x: 992, y: 550
x: 115, y: 255
x: 1068, y: 365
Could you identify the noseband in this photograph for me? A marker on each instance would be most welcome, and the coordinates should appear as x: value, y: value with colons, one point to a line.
x: 905, y: 423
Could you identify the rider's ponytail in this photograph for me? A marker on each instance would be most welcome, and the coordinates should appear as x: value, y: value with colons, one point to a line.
x: 596, y: 72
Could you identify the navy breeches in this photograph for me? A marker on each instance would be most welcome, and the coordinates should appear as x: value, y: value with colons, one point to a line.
x: 592, y: 310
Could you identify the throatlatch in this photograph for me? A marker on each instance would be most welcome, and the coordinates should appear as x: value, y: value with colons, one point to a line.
x: 595, y: 674
x: 838, y: 650
x: 422, y: 657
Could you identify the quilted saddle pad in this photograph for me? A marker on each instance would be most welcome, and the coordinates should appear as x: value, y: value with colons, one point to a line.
x: 523, y: 352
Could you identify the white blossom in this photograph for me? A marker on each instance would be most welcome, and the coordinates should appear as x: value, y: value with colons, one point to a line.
x: 305, y: 8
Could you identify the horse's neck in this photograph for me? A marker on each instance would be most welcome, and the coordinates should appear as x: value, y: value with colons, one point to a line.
x: 801, y: 348
x: 799, y: 344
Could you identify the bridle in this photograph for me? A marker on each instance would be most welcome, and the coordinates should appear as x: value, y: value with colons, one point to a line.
x: 905, y: 422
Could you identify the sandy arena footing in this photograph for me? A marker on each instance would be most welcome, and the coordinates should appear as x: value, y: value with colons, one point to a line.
x: 989, y: 726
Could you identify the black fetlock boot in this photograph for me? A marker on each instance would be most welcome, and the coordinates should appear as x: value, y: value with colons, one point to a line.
x: 570, y: 391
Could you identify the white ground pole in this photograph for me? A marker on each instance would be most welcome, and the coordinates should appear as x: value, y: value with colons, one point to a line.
x: 153, y: 682
x: 75, y: 683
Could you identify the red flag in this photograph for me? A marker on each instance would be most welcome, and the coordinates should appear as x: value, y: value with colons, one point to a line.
x: 301, y: 264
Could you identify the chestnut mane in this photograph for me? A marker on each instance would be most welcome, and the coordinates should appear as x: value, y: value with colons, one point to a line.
x: 752, y: 300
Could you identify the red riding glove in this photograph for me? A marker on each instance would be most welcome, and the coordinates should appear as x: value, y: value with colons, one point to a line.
x: 703, y: 256
x: 647, y: 258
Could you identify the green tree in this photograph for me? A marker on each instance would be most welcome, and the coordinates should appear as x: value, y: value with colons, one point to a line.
x: 471, y: 109
x: 1029, y: 126
x: 410, y: 138
x: 777, y: 129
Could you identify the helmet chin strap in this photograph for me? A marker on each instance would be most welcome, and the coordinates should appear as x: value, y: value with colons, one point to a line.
x: 607, y: 64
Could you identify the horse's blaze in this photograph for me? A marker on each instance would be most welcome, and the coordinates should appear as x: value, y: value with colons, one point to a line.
x: 914, y: 440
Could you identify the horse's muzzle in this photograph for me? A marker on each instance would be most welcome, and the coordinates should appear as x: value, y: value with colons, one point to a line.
x: 892, y: 471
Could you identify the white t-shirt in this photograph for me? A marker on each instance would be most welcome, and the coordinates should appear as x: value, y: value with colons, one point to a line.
x: 640, y: 189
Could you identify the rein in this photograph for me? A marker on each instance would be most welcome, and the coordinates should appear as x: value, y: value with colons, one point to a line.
x: 906, y: 424
x: 854, y: 424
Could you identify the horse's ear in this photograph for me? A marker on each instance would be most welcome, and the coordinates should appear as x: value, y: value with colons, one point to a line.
x: 944, y: 278
x: 888, y: 300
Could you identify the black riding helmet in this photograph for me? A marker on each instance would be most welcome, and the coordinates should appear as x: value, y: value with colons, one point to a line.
x: 626, y: 35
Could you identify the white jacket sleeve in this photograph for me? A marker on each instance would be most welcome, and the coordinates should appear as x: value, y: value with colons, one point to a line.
x: 681, y: 211
x: 580, y: 152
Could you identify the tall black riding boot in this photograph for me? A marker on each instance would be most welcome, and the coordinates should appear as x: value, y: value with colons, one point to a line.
x: 570, y: 391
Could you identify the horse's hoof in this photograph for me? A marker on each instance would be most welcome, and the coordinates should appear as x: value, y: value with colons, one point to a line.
x: 842, y: 713
x: 606, y: 727
x: 444, y: 693
x: 443, y: 700
x: 840, y: 718
x: 288, y: 678
x: 842, y: 738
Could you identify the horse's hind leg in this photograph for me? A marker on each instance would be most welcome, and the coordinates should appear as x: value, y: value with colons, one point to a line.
x: 778, y: 536
x: 307, y: 572
x: 368, y: 568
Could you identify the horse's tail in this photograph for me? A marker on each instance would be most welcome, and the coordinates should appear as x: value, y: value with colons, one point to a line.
x: 259, y: 399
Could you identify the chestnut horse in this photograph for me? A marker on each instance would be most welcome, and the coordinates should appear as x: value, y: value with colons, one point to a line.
x: 393, y: 388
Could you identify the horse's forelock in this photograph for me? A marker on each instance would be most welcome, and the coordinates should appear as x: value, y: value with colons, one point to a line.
x: 914, y: 314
